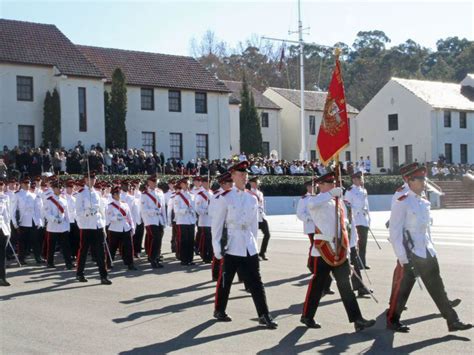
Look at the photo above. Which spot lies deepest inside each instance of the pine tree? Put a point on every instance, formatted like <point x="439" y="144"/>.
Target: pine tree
<point x="52" y="120"/>
<point x="250" y="131"/>
<point x="117" y="131"/>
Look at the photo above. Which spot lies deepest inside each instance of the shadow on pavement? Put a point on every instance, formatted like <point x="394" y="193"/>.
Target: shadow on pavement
<point x="188" y="339"/>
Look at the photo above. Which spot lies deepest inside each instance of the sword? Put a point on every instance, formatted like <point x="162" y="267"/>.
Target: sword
<point x="363" y="285"/>
<point x="363" y="267"/>
<point x="107" y="247"/>
<point x="373" y="236"/>
<point x="9" y="243"/>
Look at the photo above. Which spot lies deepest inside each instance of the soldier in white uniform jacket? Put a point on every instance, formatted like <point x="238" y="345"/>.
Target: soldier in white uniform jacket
<point x="4" y="232"/>
<point x="237" y="210"/>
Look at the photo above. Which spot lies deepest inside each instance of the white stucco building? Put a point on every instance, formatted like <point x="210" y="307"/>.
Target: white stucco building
<point x="269" y="114"/>
<point x="410" y="120"/>
<point x="27" y="72"/>
<point x="175" y="105"/>
<point x="289" y="101"/>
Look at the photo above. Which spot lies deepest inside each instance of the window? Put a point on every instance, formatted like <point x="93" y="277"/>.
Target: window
<point x="82" y="110"/>
<point x="266" y="149"/>
<point x="462" y="120"/>
<point x="313" y="155"/>
<point x="447" y="118"/>
<point x="148" y="142"/>
<point x="201" y="102"/>
<point x="176" y="145"/>
<point x="174" y="101"/>
<point x="448" y="153"/>
<point x="394" y="162"/>
<point x="393" y="122"/>
<point x="380" y="157"/>
<point x="148" y="99"/>
<point x="26" y="136"/>
<point x="24" y="88"/>
<point x="264" y="119"/>
<point x="312" y="125"/>
<point x="463" y="153"/>
<point x="348" y="156"/>
<point x="408" y="154"/>
<point x="202" y="146"/>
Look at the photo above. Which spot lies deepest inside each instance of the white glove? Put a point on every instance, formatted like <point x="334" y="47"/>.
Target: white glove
<point x="336" y="192"/>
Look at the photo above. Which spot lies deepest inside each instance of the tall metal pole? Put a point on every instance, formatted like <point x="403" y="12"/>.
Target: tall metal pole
<point x="303" y="155"/>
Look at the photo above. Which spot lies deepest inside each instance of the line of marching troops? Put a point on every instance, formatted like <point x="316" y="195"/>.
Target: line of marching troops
<point x="35" y="217"/>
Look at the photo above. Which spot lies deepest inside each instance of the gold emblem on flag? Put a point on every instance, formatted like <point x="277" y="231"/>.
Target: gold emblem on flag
<point x="332" y="121"/>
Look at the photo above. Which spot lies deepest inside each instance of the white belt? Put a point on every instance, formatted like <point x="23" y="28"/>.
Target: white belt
<point x="327" y="238"/>
<point x="242" y="227"/>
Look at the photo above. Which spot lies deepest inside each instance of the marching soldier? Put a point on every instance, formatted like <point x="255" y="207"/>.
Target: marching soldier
<point x="203" y="199"/>
<point x="184" y="209"/>
<point x="197" y="187"/>
<point x="169" y="195"/>
<point x="4" y="232"/>
<point x="12" y="188"/>
<point x="154" y="217"/>
<point x="302" y="213"/>
<point x="413" y="246"/>
<point x="57" y="227"/>
<point x="225" y="183"/>
<point x="90" y="216"/>
<point x="26" y="220"/>
<point x="121" y="228"/>
<point x="357" y="199"/>
<point x="73" y="228"/>
<point x="238" y="210"/>
<point x="327" y="258"/>
<point x="262" y="222"/>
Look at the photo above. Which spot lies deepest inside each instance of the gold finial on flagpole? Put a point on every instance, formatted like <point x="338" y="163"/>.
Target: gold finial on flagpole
<point x="337" y="52"/>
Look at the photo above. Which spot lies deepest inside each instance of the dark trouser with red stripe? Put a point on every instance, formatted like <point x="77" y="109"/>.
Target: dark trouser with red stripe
<point x="215" y="268"/>
<point x="174" y="233"/>
<point x="319" y="281"/>
<point x="123" y="239"/>
<point x="185" y="238"/>
<point x="154" y="235"/>
<point x="74" y="238"/>
<point x="3" y="246"/>
<point x="28" y="238"/>
<point x="362" y="234"/>
<point x="263" y="226"/>
<point x="249" y="267"/>
<point x="138" y="238"/>
<point x="93" y="239"/>
<point x="356" y="284"/>
<point x="205" y="244"/>
<point x="63" y="238"/>
<point x="310" y="264"/>
<point x="428" y="269"/>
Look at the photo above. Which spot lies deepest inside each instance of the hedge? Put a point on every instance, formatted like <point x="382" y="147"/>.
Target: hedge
<point x="273" y="185"/>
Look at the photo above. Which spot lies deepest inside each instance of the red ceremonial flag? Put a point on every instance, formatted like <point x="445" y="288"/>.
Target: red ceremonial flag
<point x="333" y="133"/>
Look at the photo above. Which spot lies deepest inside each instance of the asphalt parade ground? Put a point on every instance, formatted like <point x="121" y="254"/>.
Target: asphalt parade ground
<point x="170" y="310"/>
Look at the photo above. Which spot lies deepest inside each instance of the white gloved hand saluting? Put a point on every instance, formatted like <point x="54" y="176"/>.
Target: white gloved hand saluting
<point x="336" y="192"/>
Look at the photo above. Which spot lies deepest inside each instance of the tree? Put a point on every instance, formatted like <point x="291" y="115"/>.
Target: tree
<point x="118" y="110"/>
<point x="52" y="120"/>
<point x="250" y="131"/>
<point x="108" y="120"/>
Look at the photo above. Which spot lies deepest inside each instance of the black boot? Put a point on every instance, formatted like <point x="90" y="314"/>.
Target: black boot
<point x="361" y="324"/>
<point x="4" y="282"/>
<point x="105" y="281"/>
<point x="458" y="325"/>
<point x="310" y="323"/>
<point x="398" y="327"/>
<point x="267" y="321"/>
<point x="222" y="316"/>
<point x="81" y="278"/>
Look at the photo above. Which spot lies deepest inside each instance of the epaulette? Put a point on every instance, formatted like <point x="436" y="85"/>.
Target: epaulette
<point x="80" y="190"/>
<point x="402" y="197"/>
<point x="17" y="191"/>
<point x="400" y="188"/>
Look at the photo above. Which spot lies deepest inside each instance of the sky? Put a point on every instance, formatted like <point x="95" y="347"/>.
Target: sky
<point x="169" y="26"/>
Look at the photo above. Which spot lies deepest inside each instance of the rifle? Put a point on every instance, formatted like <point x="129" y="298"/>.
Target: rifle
<point x="409" y="245"/>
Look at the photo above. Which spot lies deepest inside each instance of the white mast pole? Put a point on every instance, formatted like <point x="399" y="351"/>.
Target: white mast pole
<point x="303" y="153"/>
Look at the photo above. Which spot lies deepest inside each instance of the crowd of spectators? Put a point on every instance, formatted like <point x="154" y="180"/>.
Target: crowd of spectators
<point x="37" y="161"/>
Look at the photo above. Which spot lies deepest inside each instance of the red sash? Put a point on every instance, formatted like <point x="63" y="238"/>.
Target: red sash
<point x="119" y="208"/>
<point x="325" y="249"/>
<point x="184" y="198"/>
<point x="56" y="203"/>
<point x="153" y="199"/>
<point x="204" y="196"/>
